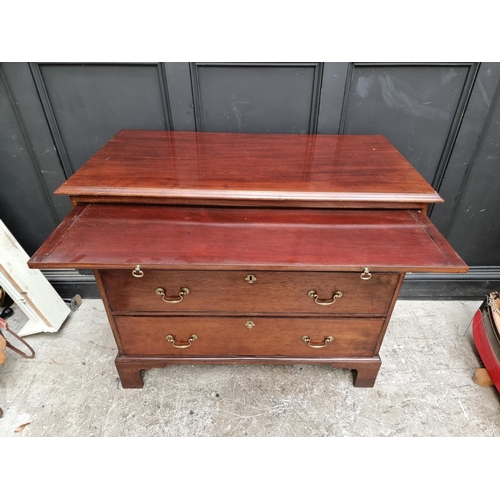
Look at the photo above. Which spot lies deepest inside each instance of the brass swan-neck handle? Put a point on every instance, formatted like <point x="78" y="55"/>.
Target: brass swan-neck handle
<point x="172" y="300"/>
<point x="324" y="302"/>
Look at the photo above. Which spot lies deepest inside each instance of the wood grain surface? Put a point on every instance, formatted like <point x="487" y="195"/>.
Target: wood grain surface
<point x="226" y="292"/>
<point x="102" y="236"/>
<point x="222" y="168"/>
<point x="230" y="336"/>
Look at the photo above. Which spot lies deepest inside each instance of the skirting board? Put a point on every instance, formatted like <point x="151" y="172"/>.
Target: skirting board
<point x="474" y="285"/>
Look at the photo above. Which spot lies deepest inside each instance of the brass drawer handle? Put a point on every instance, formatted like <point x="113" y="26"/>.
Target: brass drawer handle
<point x="366" y="274"/>
<point x="171" y="339"/>
<point x="172" y="300"/>
<point x="307" y="340"/>
<point x="138" y="272"/>
<point x="320" y="302"/>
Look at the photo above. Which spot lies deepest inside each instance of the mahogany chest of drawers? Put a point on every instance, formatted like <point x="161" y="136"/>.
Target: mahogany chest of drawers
<point x="240" y="248"/>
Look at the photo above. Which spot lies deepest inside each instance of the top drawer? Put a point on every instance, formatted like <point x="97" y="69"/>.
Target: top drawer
<point x="229" y="292"/>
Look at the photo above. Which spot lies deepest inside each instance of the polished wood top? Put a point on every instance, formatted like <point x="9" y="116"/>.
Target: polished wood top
<point x="163" y="237"/>
<point x="248" y="169"/>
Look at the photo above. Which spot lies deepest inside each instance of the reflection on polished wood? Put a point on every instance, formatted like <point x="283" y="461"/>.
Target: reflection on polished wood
<point x="121" y="236"/>
<point x="220" y="168"/>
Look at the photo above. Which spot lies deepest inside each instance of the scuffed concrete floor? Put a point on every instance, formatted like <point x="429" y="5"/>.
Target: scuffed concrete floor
<point x="424" y="387"/>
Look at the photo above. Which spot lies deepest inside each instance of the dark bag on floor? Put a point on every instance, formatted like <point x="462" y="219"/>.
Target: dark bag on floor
<point x="5" y="300"/>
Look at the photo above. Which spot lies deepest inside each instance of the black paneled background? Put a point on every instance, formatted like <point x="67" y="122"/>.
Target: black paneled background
<point x="444" y="118"/>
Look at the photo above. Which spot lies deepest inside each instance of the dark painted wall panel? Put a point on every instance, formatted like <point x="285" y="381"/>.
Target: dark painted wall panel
<point x="414" y="106"/>
<point x="44" y="154"/>
<point x="256" y="99"/>
<point x="475" y="228"/>
<point x="181" y="97"/>
<point x="24" y="207"/>
<point x="91" y="103"/>
<point x="471" y="130"/>
<point x="332" y="97"/>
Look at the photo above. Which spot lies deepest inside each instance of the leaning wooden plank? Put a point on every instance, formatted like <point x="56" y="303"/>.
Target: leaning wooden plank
<point x="29" y="288"/>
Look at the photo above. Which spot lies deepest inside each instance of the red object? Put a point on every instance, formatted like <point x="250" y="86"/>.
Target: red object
<point x="487" y="342"/>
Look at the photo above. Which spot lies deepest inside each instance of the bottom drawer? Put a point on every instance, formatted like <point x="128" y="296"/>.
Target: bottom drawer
<point x="242" y="336"/>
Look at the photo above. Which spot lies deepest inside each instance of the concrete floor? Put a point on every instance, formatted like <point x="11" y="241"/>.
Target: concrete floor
<point x="424" y="387"/>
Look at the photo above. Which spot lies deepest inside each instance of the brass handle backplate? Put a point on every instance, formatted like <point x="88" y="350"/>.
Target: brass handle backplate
<point x="138" y="272"/>
<point x="171" y="339"/>
<point x="321" y="302"/>
<point x="366" y="274"/>
<point x="307" y="340"/>
<point x="172" y="300"/>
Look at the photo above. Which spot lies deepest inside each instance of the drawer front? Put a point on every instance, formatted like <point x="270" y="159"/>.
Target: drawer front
<point x="246" y="336"/>
<point x="228" y="292"/>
